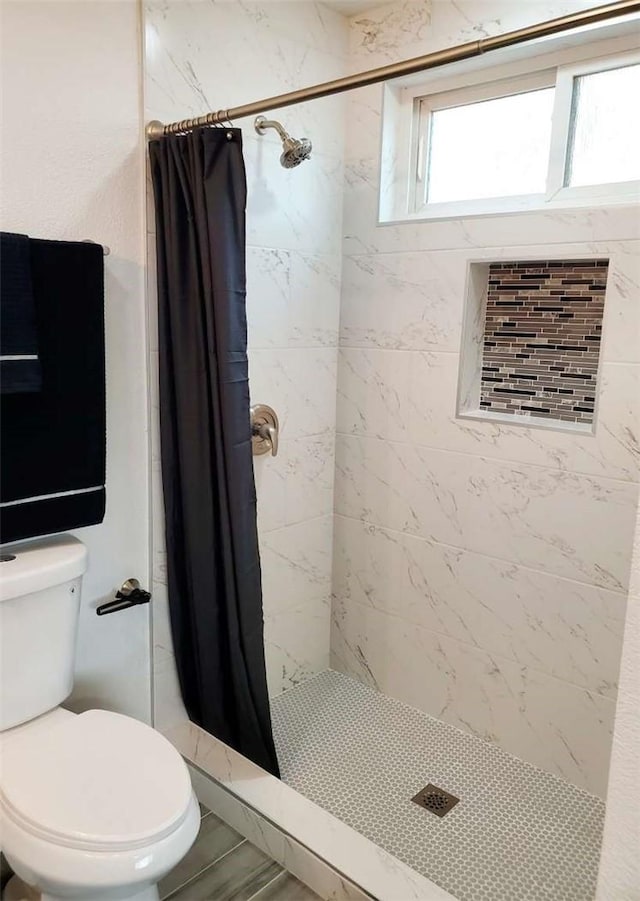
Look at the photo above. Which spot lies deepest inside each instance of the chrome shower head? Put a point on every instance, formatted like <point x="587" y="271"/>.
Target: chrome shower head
<point x="294" y="150"/>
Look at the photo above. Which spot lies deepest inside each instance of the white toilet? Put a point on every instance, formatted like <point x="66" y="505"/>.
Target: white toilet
<point x="94" y="805"/>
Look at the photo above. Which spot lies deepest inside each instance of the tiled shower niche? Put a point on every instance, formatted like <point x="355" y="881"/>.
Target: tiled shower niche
<point x="532" y="341"/>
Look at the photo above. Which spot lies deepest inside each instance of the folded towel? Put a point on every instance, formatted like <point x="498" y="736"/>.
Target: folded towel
<point x="19" y="363"/>
<point x="52" y="443"/>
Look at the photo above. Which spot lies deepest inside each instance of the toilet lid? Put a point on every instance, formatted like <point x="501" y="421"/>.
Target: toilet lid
<point x="100" y="781"/>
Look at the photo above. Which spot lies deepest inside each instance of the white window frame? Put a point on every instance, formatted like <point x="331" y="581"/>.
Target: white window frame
<point x="561" y="133"/>
<point x="425" y="106"/>
<point x="408" y="104"/>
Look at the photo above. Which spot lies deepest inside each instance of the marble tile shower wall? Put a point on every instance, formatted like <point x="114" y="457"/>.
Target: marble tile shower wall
<point x="202" y="56"/>
<point x="480" y="569"/>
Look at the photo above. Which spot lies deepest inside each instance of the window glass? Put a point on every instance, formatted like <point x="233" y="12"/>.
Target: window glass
<point x="605" y="136"/>
<point x="494" y="148"/>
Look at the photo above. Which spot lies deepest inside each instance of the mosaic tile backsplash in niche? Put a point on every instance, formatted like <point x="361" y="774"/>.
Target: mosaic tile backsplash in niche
<point x="542" y="338"/>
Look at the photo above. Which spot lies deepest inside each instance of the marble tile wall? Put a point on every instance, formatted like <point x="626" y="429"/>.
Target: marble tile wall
<point x="203" y="56"/>
<point x="480" y="569"/>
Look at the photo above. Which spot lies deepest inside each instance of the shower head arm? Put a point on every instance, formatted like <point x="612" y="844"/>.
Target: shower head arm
<point x="261" y="125"/>
<point x="294" y="150"/>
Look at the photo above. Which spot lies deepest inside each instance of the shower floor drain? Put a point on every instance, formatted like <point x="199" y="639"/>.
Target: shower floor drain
<point x="435" y="799"/>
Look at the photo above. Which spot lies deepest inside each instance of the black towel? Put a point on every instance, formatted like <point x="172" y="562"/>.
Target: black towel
<point x="19" y="364"/>
<point x="53" y="443"/>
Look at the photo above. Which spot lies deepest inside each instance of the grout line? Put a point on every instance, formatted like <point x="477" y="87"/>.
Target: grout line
<point x="398" y="350"/>
<point x="375" y="348"/>
<point x="319" y="255"/>
<point x="485" y="652"/>
<point x="265" y="816"/>
<point x="471" y="250"/>
<point x="624" y="592"/>
<point x="499" y="460"/>
<point x="199" y="872"/>
<point x="280" y="348"/>
<point x="260" y="891"/>
<point x="338" y="345"/>
<point x="326" y="433"/>
<point x="454" y="547"/>
<point x="311" y="604"/>
<point x="527" y="766"/>
<point x="463" y="731"/>
<point x="300" y="684"/>
<point x="328" y="515"/>
<point x="296" y="522"/>
<point x="289" y="431"/>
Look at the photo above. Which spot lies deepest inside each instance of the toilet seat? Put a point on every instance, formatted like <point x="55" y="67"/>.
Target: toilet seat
<point x="98" y="781"/>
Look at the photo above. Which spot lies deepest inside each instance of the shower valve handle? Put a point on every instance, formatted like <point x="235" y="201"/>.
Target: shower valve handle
<point x="264" y="430"/>
<point x="269" y="433"/>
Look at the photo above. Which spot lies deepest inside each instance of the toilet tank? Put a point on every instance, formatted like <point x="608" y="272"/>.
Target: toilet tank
<point x="39" y="607"/>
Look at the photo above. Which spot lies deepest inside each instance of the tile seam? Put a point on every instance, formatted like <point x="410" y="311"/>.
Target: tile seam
<point x="623" y="593"/>
<point x="488" y="653"/>
<point x="455" y="547"/>
<point x="206" y="867"/>
<point x="487" y="456"/>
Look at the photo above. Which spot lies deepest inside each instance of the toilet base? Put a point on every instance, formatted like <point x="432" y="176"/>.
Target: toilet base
<point x="17" y="890"/>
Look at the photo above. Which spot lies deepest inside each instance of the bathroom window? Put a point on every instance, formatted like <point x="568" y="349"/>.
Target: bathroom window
<point x="553" y="137"/>
<point x="511" y="158"/>
<point x="604" y="134"/>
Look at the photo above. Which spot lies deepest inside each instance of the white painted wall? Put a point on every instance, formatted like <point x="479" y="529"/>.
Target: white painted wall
<point x="480" y="570"/>
<point x="72" y="168"/>
<point x="293" y="291"/>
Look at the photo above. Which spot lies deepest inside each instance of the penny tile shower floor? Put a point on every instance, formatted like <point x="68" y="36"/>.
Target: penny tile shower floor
<point x="517" y="833"/>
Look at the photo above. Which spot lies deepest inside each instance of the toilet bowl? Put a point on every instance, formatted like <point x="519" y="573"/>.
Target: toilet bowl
<point x="93" y="806"/>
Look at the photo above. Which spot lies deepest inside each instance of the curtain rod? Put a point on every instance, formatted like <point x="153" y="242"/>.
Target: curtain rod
<point x="433" y="60"/>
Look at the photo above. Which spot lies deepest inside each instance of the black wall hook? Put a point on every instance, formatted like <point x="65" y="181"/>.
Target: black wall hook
<point x="129" y="595"/>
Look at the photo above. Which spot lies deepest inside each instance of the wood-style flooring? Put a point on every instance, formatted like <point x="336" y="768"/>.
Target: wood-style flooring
<point x="224" y="866"/>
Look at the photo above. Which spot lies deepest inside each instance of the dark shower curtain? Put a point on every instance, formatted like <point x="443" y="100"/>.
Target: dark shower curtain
<point x="213" y="566"/>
